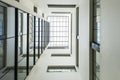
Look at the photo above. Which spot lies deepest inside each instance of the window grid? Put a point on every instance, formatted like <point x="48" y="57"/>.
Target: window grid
<point x="59" y="31"/>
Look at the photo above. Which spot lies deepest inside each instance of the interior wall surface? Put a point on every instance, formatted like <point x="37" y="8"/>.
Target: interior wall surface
<point x="72" y="34"/>
<point x="110" y="47"/>
<point x="84" y="38"/>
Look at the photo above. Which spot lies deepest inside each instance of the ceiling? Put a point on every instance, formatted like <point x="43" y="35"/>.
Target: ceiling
<point x="43" y="4"/>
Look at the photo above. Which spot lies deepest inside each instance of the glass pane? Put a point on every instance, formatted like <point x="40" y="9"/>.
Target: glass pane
<point x="21" y="50"/>
<point x="97" y="21"/>
<point x="36" y="41"/>
<point x="2" y="42"/>
<point x="1" y="33"/>
<point x="97" y="65"/>
<point x="1" y="54"/>
<point x="31" y="40"/>
<point x="9" y="61"/>
<point x="1" y="20"/>
<point x="96" y="29"/>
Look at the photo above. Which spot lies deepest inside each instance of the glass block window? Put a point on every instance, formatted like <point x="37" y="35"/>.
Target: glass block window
<point x="59" y="31"/>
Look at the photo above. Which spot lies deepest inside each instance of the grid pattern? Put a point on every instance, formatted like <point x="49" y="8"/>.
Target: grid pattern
<point x="41" y="33"/>
<point x="31" y="25"/>
<point x="59" y="31"/>
<point x="27" y="41"/>
<point x="36" y="32"/>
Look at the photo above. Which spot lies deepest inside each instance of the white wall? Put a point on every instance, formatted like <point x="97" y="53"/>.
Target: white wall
<point x="110" y="40"/>
<point x="84" y="30"/>
<point x="61" y="1"/>
<point x="84" y="39"/>
<point x="73" y="28"/>
<point x="110" y="47"/>
<point x="43" y="3"/>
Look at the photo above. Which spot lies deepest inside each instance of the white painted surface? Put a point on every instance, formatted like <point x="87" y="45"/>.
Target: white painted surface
<point x="43" y="4"/>
<point x="61" y="1"/>
<point x="72" y="27"/>
<point x="39" y="71"/>
<point x="109" y="46"/>
<point x="84" y="39"/>
<point x="110" y="39"/>
<point x="83" y="73"/>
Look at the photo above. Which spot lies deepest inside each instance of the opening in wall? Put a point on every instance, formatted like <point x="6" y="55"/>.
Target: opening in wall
<point x="61" y="69"/>
<point x="17" y="0"/>
<point x="60" y="31"/>
<point x="35" y="9"/>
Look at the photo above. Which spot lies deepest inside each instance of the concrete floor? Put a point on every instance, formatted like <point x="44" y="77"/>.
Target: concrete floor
<point x="39" y="72"/>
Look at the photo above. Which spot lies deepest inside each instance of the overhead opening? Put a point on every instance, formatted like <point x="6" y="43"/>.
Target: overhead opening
<point x="61" y="12"/>
<point x="61" y="55"/>
<point x="61" y="5"/>
<point x="61" y="69"/>
<point x="56" y="47"/>
<point x="60" y="31"/>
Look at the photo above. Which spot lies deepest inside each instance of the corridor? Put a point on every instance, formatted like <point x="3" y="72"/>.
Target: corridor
<point x="59" y="40"/>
